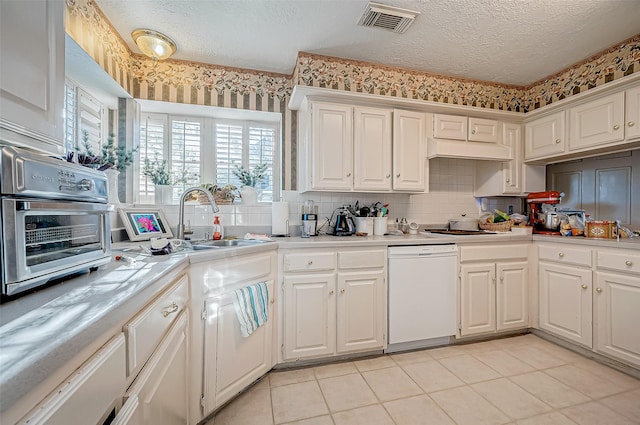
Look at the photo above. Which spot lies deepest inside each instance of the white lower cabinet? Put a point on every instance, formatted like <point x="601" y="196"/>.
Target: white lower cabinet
<point x="334" y="307"/>
<point x="493" y="295"/>
<point x="161" y="388"/>
<point x="89" y="394"/>
<point x="565" y="302"/>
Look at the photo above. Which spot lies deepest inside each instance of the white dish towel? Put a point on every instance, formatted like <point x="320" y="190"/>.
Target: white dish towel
<point x="251" y="304"/>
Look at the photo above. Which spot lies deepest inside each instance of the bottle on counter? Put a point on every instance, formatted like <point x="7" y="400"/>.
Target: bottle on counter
<point x="217" y="229"/>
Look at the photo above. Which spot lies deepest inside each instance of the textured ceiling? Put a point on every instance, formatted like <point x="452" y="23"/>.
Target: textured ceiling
<point x="507" y="41"/>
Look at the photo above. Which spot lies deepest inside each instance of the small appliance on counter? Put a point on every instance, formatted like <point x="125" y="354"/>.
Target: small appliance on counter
<point x="545" y="220"/>
<point x="344" y="224"/>
<point x="309" y="220"/>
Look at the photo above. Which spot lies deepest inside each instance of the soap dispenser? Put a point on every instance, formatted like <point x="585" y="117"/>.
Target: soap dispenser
<point x="217" y="229"/>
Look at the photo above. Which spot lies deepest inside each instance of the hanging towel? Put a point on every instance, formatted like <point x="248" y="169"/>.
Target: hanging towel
<point x="251" y="304"/>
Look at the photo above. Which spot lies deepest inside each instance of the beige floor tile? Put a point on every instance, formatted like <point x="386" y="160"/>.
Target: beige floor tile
<point x="337" y="369"/>
<point x="551" y="418"/>
<point x="549" y="390"/>
<point x="432" y="376"/>
<point x="469" y="369"/>
<point x="252" y="407"/>
<point x="391" y="383"/>
<point x="480" y="347"/>
<point x="263" y="383"/>
<point x="412" y="357"/>
<point x="561" y="353"/>
<point x="518" y="341"/>
<point x="347" y="392"/>
<point x="585" y="381"/>
<point x="535" y="356"/>
<point x="503" y="363"/>
<point x="594" y="413"/>
<point x="375" y="363"/>
<point x="466" y="407"/>
<point x="627" y="404"/>
<point x="286" y="377"/>
<point x="443" y="352"/>
<point x="297" y="401"/>
<point x="510" y="398"/>
<point x="608" y="373"/>
<point x="318" y="420"/>
<point x="369" y="415"/>
<point x="419" y="410"/>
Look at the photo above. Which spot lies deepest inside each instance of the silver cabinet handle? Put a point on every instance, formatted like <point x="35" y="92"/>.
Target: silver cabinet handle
<point x="628" y="263"/>
<point x="331" y="292"/>
<point x="631" y="123"/>
<point x="171" y="309"/>
<point x="501" y="279"/>
<point x="473" y="132"/>
<point x="348" y="174"/>
<point x="561" y="254"/>
<point x="584" y="286"/>
<point x="342" y="291"/>
<point x="616" y="127"/>
<point x="388" y="175"/>
<point x="508" y="180"/>
<point x="598" y="290"/>
<point x="557" y="141"/>
<point x="310" y="262"/>
<point x="398" y="175"/>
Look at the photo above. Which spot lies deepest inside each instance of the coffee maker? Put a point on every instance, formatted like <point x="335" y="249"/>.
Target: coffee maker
<point x="544" y="222"/>
<point x="344" y="224"/>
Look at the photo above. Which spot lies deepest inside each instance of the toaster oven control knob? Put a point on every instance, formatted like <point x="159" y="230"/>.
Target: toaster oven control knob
<point x="85" y="184"/>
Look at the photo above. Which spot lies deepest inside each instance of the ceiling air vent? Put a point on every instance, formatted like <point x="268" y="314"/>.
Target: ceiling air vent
<point x="387" y="17"/>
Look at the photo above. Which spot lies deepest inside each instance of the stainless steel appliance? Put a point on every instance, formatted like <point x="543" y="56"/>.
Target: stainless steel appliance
<point x="54" y="219"/>
<point x="422" y="296"/>
<point x="344" y="224"/>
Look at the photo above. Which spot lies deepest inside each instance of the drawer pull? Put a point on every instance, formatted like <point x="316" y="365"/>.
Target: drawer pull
<point x="398" y="175"/>
<point x="342" y="291"/>
<point x="584" y="286"/>
<point x="172" y="309"/>
<point x="557" y="141"/>
<point x="631" y="123"/>
<point x="348" y="174"/>
<point x="561" y="254"/>
<point x="331" y="292"/>
<point x="616" y="127"/>
<point x="628" y="263"/>
<point x="473" y="132"/>
<point x="310" y="262"/>
<point x="598" y="290"/>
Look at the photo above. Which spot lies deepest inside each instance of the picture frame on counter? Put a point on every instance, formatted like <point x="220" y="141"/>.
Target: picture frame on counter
<point x="143" y="224"/>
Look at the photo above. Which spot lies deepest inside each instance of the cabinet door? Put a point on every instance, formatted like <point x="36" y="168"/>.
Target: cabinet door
<point x="409" y="153"/>
<point x="449" y="127"/>
<point x="566" y="302"/>
<point x="632" y="112"/>
<point x="483" y="130"/>
<point x="32" y="73"/>
<point x="240" y="360"/>
<point x="617" y="309"/>
<point x="512" y="170"/>
<point x="597" y="123"/>
<point x="332" y="139"/>
<point x="309" y="315"/>
<point x="477" y="299"/>
<point x="162" y="385"/>
<point x="361" y="311"/>
<point x="511" y="296"/>
<point x="89" y="393"/>
<point x="372" y="149"/>
<point x="545" y="136"/>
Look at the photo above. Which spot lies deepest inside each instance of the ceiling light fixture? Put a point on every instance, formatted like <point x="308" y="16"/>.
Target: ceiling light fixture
<point x="154" y="44"/>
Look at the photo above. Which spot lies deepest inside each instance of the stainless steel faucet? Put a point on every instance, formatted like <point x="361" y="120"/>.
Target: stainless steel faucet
<point x="214" y="207"/>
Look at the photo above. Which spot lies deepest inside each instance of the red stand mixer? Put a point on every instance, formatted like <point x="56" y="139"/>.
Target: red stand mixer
<point x="547" y="223"/>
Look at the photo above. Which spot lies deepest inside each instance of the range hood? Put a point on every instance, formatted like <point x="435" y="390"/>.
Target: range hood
<point x="460" y="149"/>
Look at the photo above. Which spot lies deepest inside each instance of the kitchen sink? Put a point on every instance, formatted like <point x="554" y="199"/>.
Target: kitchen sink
<point x="224" y="243"/>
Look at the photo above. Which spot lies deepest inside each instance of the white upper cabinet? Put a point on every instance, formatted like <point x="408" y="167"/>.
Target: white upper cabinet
<point x="32" y="74"/>
<point x="372" y="149"/>
<point x="596" y="123"/>
<point x="332" y="136"/>
<point x="483" y="130"/>
<point x="545" y="136"/>
<point x="409" y="152"/>
<point x="462" y="128"/>
<point x="632" y="113"/>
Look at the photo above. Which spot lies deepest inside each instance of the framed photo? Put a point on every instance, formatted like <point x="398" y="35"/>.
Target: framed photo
<point x="142" y="224"/>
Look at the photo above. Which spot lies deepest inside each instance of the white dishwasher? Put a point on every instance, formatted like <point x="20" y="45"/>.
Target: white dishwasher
<point x="422" y="296"/>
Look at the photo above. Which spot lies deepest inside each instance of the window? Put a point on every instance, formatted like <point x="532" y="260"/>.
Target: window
<point x="84" y="116"/>
<point x="207" y="150"/>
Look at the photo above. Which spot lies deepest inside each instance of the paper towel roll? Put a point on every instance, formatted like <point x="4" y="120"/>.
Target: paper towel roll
<point x="280" y="218"/>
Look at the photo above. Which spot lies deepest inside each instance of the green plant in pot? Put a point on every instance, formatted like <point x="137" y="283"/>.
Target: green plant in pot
<point x="111" y="157"/>
<point x="250" y="179"/>
<point x="221" y="194"/>
<point x="158" y="171"/>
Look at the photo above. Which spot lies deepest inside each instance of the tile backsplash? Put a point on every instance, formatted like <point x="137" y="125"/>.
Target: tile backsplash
<point x="450" y="195"/>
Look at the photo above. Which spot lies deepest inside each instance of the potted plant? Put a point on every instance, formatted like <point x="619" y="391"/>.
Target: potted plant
<point x="163" y="179"/>
<point x="250" y="179"/>
<point x="223" y="195"/>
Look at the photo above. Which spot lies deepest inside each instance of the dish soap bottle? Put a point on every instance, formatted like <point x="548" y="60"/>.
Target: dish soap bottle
<point x="217" y="229"/>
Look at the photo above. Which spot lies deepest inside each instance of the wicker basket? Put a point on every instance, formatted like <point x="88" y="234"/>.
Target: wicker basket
<point x="504" y="226"/>
<point x="204" y="199"/>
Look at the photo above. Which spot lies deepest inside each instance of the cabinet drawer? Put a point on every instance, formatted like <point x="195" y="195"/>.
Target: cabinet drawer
<point x="620" y="261"/>
<point x="483" y="252"/>
<point x="361" y="259"/>
<point x="309" y="261"/>
<point x="565" y="254"/>
<point x="144" y="331"/>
